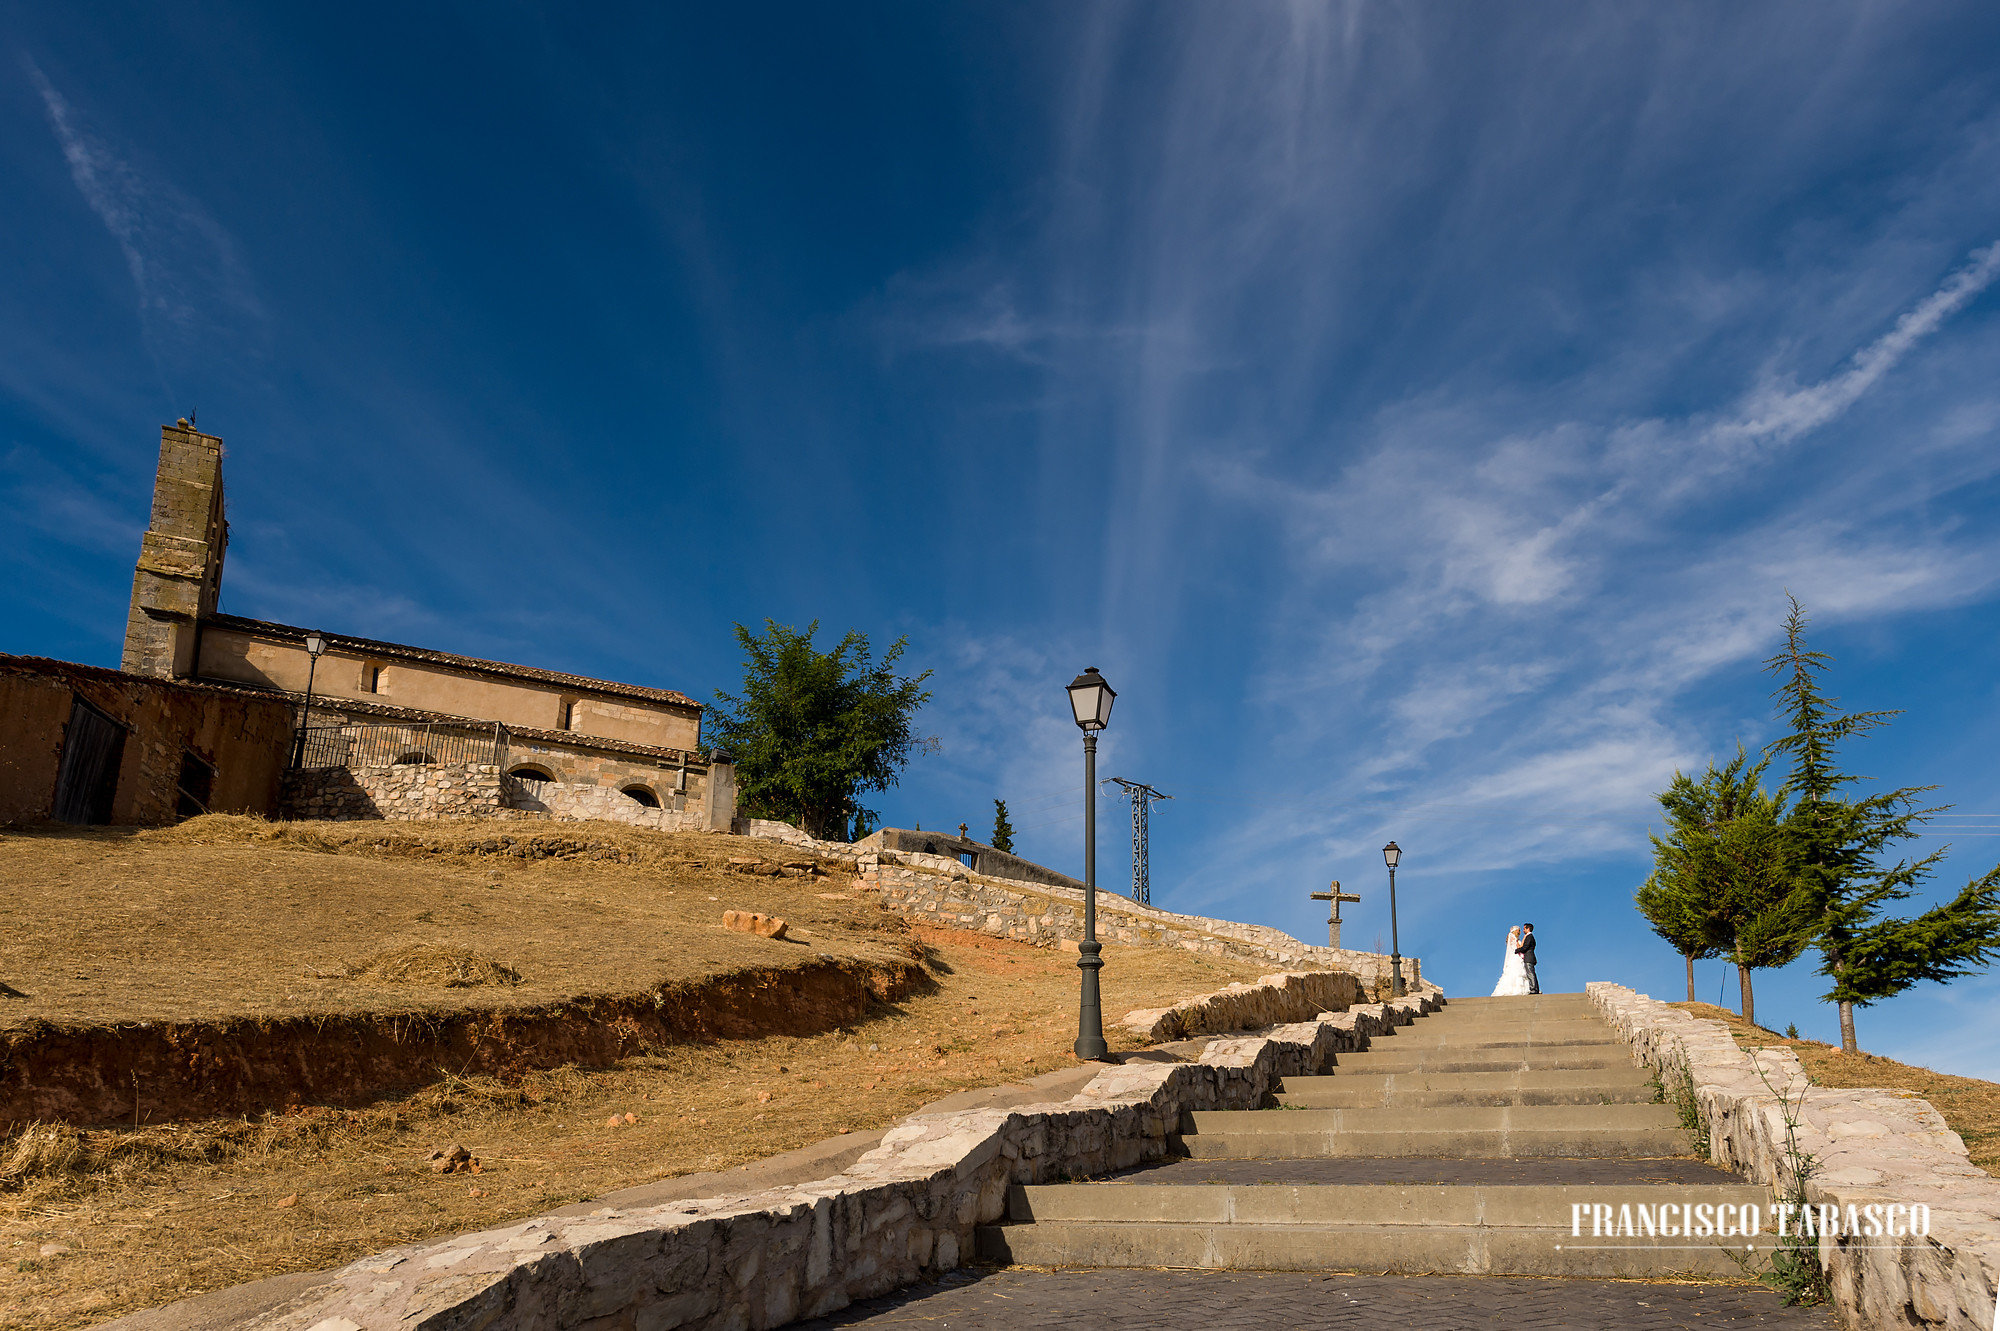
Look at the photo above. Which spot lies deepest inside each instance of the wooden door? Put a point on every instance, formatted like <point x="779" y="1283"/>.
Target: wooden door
<point x="87" y="777"/>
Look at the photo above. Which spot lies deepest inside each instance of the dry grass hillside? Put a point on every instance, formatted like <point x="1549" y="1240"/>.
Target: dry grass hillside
<point x="237" y="916"/>
<point x="220" y="917"/>
<point x="1969" y="1105"/>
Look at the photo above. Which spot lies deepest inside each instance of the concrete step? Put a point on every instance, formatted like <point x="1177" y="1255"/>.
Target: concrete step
<point x="1416" y="1171"/>
<point x="1468" y="1020"/>
<point x="1424" y="1090"/>
<point x="1475" y="1230"/>
<point x="1385" y="1082"/>
<point x="1449" y="1118"/>
<point x="1458" y="1132"/>
<point x="1557" y="1018"/>
<point x="1552" y="1058"/>
<point x="1467" y="1250"/>
<point x="1469" y="1230"/>
<point x="1568" y="1005"/>
<point x="1418" y="1038"/>
<point x="1539" y="1207"/>
<point x="1537" y="1032"/>
<point x="1508" y="1143"/>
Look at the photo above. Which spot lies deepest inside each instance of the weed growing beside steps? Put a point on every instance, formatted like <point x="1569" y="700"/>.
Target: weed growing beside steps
<point x="1674" y="1085"/>
<point x="1793" y="1268"/>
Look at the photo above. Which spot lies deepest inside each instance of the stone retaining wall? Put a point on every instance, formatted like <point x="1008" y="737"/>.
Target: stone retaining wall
<point x="1271" y="1001"/>
<point x="1871" y="1146"/>
<point x="414" y="792"/>
<point x="903" y="1212"/>
<point x="565" y="800"/>
<point x="941" y="891"/>
<point x="401" y="792"/>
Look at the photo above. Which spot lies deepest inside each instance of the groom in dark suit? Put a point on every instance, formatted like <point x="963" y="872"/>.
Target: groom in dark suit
<point x="1527" y="953"/>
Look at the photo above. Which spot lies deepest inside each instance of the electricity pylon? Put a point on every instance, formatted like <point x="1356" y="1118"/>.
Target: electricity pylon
<point x="1142" y="803"/>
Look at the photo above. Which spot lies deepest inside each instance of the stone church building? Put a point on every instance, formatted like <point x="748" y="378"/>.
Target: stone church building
<point x="392" y="730"/>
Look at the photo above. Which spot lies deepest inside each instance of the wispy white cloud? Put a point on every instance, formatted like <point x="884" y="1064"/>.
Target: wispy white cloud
<point x="190" y="280"/>
<point x="1778" y="412"/>
<point x="1494" y="476"/>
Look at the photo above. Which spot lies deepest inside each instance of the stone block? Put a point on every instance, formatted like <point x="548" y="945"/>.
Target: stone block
<point x="754" y="922"/>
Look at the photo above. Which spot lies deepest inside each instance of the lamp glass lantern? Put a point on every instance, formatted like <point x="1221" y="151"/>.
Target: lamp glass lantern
<point x="315" y="643"/>
<point x="1391" y="853"/>
<point x="1090" y="700"/>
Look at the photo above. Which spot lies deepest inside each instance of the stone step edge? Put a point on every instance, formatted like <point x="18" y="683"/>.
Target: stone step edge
<point x="1411" y="1250"/>
<point x="1497" y="1206"/>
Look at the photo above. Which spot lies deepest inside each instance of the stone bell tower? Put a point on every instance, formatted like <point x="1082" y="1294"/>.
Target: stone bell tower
<point x="179" y="574"/>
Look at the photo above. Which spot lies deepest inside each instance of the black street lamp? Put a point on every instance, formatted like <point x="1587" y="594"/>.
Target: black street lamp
<point x="1090" y="700"/>
<point x="1390" y="854"/>
<point x="315" y="647"/>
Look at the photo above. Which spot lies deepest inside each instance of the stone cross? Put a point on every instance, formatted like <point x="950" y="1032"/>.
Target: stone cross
<point x="1336" y="896"/>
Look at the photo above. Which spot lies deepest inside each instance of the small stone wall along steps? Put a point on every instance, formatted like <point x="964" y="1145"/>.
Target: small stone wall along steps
<point x="1458" y="1144"/>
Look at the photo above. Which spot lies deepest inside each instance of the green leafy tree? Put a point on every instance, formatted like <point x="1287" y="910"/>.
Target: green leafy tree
<point x="813" y="731"/>
<point x="1768" y="921"/>
<point x="1003" y="831"/>
<point x="1837" y="845"/>
<point x="1720" y="885"/>
<point x="1679" y="914"/>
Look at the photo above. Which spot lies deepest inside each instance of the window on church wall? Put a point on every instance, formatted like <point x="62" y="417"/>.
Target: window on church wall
<point x="371" y="678"/>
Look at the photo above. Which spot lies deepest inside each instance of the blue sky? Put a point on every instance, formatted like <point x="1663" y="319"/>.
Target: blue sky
<point x="1418" y="412"/>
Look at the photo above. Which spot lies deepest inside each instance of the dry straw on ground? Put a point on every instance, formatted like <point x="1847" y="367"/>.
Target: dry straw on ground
<point x="434" y="966"/>
<point x="133" y="1219"/>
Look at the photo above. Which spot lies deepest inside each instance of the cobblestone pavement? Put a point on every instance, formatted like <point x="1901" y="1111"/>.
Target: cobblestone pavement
<point x="978" y="1299"/>
<point x="1414" y="1170"/>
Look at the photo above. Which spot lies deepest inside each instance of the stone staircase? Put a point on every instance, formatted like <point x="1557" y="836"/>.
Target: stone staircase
<point x="1460" y="1144"/>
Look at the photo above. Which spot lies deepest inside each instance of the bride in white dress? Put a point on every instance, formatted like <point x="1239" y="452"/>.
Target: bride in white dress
<point x="1514" y="973"/>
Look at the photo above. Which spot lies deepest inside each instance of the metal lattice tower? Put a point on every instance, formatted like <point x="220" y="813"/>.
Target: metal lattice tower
<point x="1142" y="804"/>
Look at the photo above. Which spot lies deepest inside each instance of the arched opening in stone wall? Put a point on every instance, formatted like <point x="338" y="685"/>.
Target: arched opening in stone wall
<point x="641" y="796"/>
<point x="528" y="772"/>
<point x="414" y="758"/>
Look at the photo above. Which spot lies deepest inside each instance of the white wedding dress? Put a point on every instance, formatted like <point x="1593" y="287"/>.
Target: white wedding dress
<point x="1514" y="973"/>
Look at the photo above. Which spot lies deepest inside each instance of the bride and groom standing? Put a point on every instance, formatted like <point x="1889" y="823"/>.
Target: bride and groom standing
<point x="1517" y="974"/>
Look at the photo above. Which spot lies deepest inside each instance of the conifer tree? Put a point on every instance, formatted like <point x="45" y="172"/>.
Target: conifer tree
<point x="1003" y="831"/>
<point x="1720" y="885"/>
<point x="1835" y="849"/>
<point x="1676" y="910"/>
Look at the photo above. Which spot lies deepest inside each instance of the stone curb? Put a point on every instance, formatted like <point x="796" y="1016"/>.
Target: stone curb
<point x="903" y="1212"/>
<point x="1268" y="1001"/>
<point x="1872" y="1147"/>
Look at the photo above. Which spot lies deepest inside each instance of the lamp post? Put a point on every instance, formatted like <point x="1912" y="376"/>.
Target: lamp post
<point x="1390" y="854"/>
<point x="315" y="648"/>
<point x="1090" y="702"/>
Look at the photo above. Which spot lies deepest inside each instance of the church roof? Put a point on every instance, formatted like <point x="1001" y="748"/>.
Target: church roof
<point x="453" y="661"/>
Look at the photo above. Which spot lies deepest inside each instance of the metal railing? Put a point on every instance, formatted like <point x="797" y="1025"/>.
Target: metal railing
<point x="384" y="744"/>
